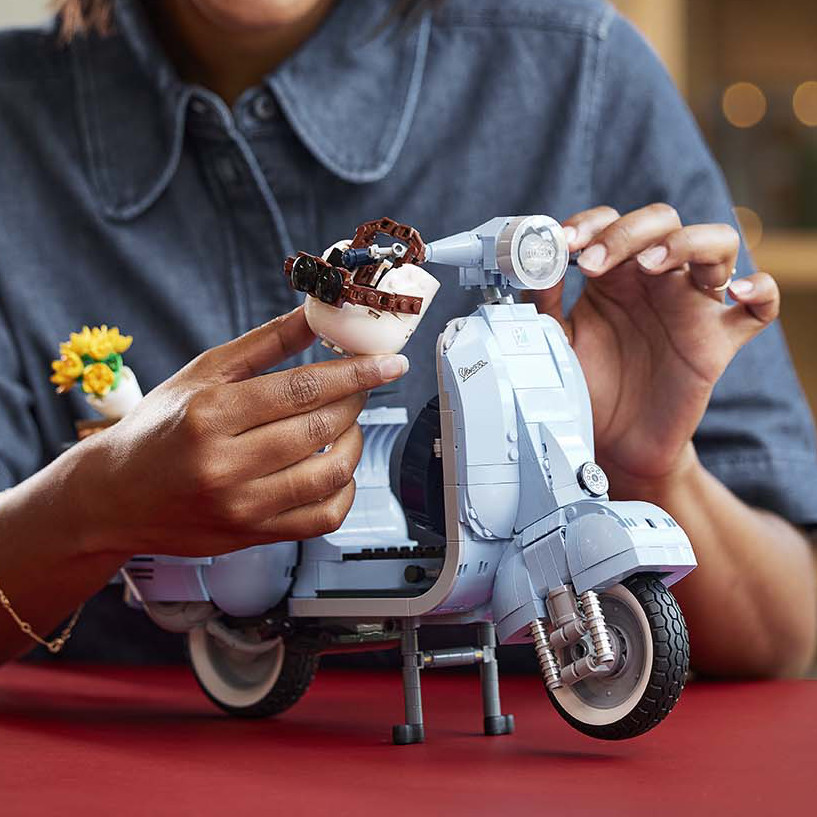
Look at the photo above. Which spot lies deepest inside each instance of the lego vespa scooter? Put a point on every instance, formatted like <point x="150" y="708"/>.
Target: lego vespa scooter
<point x="512" y="529"/>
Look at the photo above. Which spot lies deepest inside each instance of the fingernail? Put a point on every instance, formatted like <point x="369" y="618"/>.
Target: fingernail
<point x="393" y="366"/>
<point x="742" y="287"/>
<point x="571" y="234"/>
<point x="653" y="257"/>
<point x="593" y="257"/>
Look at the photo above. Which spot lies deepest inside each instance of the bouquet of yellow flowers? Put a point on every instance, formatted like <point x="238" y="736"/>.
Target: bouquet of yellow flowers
<point x="93" y="358"/>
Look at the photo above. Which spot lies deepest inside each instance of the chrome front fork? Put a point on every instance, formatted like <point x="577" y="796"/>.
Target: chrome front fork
<point x="572" y="618"/>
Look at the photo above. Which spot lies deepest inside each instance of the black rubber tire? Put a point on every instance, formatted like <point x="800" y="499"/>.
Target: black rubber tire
<point x="297" y="673"/>
<point x="669" y="670"/>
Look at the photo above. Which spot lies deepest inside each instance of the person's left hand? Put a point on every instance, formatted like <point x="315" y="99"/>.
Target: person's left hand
<point x="653" y="333"/>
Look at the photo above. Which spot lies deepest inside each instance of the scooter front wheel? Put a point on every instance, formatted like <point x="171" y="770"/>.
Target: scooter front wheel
<point x="250" y="686"/>
<point x="651" y="646"/>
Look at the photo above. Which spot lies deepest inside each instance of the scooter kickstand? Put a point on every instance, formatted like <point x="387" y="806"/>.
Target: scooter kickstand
<point x="494" y="722"/>
<point x="412" y="731"/>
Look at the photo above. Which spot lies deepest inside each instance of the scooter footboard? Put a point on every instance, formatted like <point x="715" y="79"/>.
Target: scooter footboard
<point x="623" y="538"/>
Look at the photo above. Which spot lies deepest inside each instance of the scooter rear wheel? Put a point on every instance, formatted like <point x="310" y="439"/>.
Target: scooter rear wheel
<point x="250" y="686"/>
<point x="651" y="644"/>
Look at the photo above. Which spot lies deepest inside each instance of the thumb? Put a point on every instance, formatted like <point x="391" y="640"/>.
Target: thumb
<point x="758" y="304"/>
<point x="258" y="350"/>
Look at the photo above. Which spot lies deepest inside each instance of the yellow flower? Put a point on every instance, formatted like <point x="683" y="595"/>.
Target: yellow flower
<point x="66" y="371"/>
<point x="80" y="342"/>
<point x="98" y="343"/>
<point x="97" y="378"/>
<point x="100" y="346"/>
<point x="62" y="382"/>
<point x="120" y="343"/>
<point x="70" y="364"/>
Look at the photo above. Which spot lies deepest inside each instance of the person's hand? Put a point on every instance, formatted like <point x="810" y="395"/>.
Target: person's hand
<point x="221" y="457"/>
<point x="652" y="333"/>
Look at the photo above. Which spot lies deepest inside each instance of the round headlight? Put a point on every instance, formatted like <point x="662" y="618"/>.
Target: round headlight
<point x="532" y="252"/>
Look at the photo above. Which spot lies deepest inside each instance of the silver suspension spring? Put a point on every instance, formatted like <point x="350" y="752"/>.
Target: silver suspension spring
<point x="597" y="627"/>
<point x="548" y="662"/>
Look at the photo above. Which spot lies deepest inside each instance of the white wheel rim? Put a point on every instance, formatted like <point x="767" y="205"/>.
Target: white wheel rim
<point x="233" y="678"/>
<point x="576" y="706"/>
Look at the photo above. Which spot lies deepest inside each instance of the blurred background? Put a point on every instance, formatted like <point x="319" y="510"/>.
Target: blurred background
<point x="748" y="69"/>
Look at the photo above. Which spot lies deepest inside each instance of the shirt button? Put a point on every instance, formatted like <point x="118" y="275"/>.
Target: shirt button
<point x="228" y="170"/>
<point x="199" y="107"/>
<point x="264" y="108"/>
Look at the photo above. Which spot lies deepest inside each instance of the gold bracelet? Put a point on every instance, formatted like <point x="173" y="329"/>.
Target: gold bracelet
<point x="56" y="644"/>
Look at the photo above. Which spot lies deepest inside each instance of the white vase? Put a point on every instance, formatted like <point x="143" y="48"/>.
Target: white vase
<point x="119" y="401"/>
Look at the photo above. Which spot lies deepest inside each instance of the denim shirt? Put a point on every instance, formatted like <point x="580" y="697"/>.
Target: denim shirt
<point x="130" y="198"/>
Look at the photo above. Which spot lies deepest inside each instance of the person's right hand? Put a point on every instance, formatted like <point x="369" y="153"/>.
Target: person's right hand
<point x="221" y="457"/>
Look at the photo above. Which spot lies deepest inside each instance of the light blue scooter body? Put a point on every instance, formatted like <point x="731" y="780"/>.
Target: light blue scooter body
<point x="521" y="421"/>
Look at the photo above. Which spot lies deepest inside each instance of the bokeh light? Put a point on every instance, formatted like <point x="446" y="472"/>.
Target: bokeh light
<point x="751" y="225"/>
<point x="804" y="103"/>
<point x="744" y="104"/>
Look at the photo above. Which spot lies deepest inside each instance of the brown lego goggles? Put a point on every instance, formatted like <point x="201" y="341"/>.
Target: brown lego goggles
<point x="346" y="276"/>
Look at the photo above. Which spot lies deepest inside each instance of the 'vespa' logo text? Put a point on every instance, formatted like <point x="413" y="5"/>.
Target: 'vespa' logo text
<point x="469" y="371"/>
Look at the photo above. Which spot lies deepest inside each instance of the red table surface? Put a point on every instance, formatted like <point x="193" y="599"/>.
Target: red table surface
<point x="144" y="741"/>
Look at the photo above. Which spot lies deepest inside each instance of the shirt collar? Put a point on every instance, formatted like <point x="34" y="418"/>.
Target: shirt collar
<point x="351" y="91"/>
<point x="350" y="94"/>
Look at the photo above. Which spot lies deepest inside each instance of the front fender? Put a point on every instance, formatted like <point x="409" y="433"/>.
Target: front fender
<point x="607" y="541"/>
